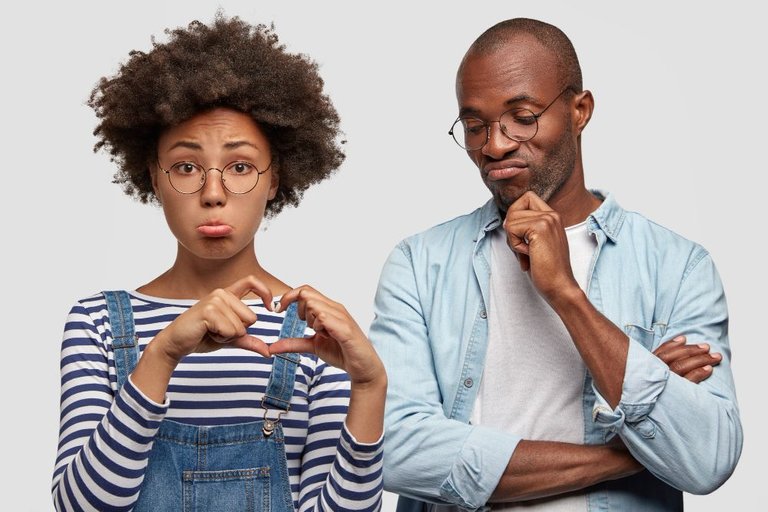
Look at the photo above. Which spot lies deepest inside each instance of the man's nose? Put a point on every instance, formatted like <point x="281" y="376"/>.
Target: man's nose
<point x="498" y="144"/>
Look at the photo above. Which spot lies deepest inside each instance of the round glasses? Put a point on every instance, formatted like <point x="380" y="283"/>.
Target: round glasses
<point x="518" y="124"/>
<point x="238" y="177"/>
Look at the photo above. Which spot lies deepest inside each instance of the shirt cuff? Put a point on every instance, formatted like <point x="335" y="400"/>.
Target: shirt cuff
<point x="645" y="378"/>
<point x="360" y="451"/>
<point x="138" y="401"/>
<point x="480" y="465"/>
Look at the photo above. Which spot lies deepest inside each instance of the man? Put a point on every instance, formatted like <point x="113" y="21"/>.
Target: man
<point x="520" y="339"/>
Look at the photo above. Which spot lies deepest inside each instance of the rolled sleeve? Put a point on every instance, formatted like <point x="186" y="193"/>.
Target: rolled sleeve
<point x="478" y="468"/>
<point x="645" y="378"/>
<point x="688" y="435"/>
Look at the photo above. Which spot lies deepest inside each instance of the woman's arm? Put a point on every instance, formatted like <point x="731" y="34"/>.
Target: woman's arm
<point x="104" y="438"/>
<point x="342" y="462"/>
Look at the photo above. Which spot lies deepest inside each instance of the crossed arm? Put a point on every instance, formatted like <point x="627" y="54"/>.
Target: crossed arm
<point x="613" y="359"/>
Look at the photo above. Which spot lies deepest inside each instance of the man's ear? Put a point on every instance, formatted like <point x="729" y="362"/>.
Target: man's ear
<point x="583" y="108"/>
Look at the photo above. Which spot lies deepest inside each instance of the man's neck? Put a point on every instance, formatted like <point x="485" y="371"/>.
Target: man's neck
<point x="574" y="206"/>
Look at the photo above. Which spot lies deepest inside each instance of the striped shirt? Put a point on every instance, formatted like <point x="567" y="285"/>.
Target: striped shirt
<point x="105" y="436"/>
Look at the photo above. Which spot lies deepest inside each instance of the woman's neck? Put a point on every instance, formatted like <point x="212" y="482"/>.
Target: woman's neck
<point x="192" y="277"/>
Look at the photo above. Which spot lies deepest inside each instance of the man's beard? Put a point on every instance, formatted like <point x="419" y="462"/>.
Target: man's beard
<point x="550" y="176"/>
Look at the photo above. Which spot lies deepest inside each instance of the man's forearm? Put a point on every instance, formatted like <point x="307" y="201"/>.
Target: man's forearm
<point x="539" y="469"/>
<point x="601" y="344"/>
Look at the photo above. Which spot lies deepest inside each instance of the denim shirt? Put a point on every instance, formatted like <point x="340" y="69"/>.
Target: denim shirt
<point x="431" y="331"/>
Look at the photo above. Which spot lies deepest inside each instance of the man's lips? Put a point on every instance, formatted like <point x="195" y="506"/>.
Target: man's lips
<point x="214" y="229"/>
<point x="497" y="171"/>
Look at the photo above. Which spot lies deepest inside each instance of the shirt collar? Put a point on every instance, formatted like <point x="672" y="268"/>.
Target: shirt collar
<point x="608" y="218"/>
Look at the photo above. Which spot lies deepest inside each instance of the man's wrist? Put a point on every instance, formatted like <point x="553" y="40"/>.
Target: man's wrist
<point x="568" y="299"/>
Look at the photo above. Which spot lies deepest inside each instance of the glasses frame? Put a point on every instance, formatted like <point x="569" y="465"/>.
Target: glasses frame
<point x="206" y="171"/>
<point x="487" y="124"/>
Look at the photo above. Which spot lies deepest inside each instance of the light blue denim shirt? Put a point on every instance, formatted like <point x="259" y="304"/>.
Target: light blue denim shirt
<point x="431" y="330"/>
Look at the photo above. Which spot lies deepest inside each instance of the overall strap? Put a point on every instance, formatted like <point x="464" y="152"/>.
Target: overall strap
<point x="125" y="341"/>
<point x="283" y="376"/>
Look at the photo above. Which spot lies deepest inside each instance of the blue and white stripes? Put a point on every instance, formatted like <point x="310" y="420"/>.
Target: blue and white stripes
<point x="105" y="437"/>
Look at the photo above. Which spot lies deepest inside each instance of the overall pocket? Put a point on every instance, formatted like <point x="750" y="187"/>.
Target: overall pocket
<point x="234" y="489"/>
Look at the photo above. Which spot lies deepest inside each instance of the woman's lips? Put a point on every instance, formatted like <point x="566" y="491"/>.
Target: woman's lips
<point x="214" y="230"/>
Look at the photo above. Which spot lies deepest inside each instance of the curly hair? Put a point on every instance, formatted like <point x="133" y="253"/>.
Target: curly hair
<point x="227" y="64"/>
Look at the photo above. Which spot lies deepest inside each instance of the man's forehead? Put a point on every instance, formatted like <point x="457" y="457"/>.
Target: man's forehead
<point x="518" y="68"/>
<point x="515" y="53"/>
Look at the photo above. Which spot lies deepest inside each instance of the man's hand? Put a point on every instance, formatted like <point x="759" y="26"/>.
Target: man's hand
<point x="694" y="362"/>
<point x="536" y="234"/>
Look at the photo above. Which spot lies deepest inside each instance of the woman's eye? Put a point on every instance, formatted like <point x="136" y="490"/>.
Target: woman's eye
<point x="240" y="168"/>
<point x="185" y="168"/>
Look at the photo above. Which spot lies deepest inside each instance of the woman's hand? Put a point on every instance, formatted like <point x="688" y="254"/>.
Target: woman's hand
<point x="338" y="340"/>
<point x="219" y="319"/>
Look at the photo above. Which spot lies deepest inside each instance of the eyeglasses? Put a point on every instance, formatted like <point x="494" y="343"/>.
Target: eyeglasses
<point x="238" y="177"/>
<point x="518" y="124"/>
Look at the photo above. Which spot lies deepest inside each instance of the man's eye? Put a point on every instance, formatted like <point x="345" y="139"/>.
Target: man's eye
<point x="474" y="127"/>
<point x="524" y="119"/>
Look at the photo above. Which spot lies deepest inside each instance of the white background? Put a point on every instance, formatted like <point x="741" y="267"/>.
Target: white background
<point x="679" y="133"/>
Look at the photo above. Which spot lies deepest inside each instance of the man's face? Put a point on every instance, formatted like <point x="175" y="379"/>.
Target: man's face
<point x="521" y="74"/>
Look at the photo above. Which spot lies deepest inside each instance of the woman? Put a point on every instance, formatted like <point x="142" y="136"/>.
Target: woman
<point x="201" y="390"/>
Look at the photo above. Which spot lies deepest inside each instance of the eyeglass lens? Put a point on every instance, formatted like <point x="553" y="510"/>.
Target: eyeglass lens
<point x="238" y="177"/>
<point x="518" y="124"/>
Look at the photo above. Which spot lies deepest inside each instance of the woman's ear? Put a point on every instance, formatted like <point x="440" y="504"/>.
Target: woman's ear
<point x="275" y="181"/>
<point x="153" y="176"/>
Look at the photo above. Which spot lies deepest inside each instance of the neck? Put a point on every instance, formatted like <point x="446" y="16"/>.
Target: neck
<point x="573" y="201"/>
<point x="192" y="277"/>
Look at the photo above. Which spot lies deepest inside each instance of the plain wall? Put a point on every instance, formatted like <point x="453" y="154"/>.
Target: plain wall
<point x="677" y="134"/>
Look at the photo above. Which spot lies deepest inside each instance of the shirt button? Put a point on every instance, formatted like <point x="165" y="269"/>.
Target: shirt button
<point x="468" y="383"/>
<point x="483" y="314"/>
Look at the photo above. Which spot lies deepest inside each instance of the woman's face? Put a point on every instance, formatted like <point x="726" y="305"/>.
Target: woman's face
<point x="214" y="223"/>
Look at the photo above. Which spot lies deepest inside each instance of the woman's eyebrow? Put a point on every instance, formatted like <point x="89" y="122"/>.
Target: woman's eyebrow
<point x="185" y="144"/>
<point x="239" y="143"/>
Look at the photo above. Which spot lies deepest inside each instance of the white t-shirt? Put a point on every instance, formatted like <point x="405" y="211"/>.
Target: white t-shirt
<point x="533" y="378"/>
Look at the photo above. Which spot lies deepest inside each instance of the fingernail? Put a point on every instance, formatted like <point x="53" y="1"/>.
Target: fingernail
<point x="708" y="368"/>
<point x="703" y="345"/>
<point x="717" y="356"/>
<point x="678" y="338"/>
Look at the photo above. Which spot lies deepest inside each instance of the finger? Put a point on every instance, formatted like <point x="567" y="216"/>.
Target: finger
<point x="236" y="311"/>
<point x="292" y="345"/>
<point x="682" y="352"/>
<point x="248" y="284"/>
<point x="669" y="344"/>
<point x="529" y="201"/>
<point x="335" y="325"/>
<point x="525" y="262"/>
<point x="524" y="231"/>
<point x="293" y="295"/>
<point x="221" y="323"/>
<point x="302" y="294"/>
<point x="699" y="374"/>
<point x="684" y="366"/>
<point x="251" y="343"/>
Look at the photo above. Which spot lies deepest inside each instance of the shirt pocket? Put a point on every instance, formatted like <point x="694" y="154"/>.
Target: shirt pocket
<point x="648" y="337"/>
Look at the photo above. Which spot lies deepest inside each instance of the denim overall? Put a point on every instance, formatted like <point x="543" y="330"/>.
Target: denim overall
<point x="239" y="467"/>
